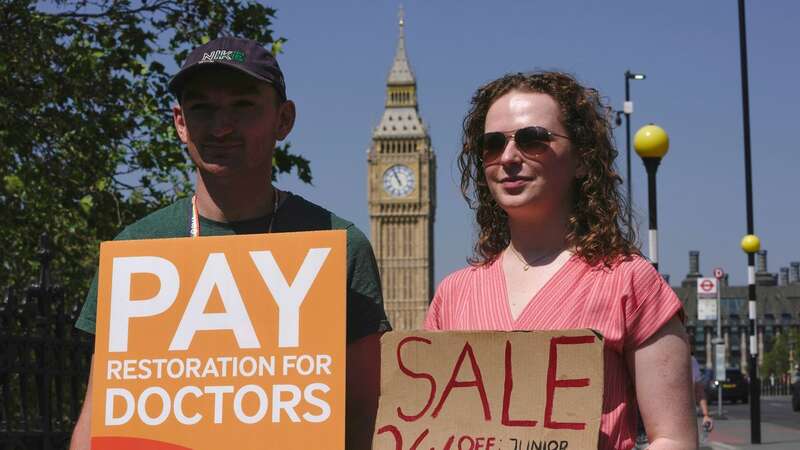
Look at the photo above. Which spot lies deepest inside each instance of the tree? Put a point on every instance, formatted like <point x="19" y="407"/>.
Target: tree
<point x="776" y="360"/>
<point x="86" y="137"/>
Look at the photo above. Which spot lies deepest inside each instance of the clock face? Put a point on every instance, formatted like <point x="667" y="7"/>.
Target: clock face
<point x="398" y="180"/>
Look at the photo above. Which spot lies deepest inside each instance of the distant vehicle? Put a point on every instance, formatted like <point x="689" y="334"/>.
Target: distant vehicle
<point x="735" y="387"/>
<point x="796" y="391"/>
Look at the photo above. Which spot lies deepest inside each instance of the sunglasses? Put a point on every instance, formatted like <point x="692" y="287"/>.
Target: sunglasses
<point x="530" y="141"/>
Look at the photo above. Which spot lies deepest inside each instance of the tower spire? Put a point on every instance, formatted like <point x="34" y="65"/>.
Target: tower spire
<point x="401" y="118"/>
<point x="401" y="73"/>
<point x="401" y="21"/>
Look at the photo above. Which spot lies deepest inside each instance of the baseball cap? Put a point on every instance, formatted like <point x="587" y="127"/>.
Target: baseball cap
<point x="244" y="55"/>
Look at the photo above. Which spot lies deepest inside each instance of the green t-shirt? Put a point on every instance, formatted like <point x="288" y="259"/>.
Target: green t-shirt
<point x="365" y="313"/>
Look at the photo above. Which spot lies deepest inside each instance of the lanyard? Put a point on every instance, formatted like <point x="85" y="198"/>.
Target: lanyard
<point x="194" y="226"/>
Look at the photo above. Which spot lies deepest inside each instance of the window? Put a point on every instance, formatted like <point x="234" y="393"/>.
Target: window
<point x="700" y="336"/>
<point x="732" y="306"/>
<point x="734" y="336"/>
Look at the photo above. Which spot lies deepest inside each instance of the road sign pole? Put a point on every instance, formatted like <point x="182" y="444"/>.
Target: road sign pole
<point x="720" y="374"/>
<point x="718" y="347"/>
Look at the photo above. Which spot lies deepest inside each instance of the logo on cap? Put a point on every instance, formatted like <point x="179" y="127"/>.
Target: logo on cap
<point x="223" y="55"/>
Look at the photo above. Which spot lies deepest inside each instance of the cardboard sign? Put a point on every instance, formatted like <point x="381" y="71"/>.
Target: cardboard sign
<point x="221" y="342"/>
<point x="490" y="390"/>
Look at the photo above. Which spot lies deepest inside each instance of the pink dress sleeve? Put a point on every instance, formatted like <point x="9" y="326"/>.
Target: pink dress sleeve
<point x="650" y="303"/>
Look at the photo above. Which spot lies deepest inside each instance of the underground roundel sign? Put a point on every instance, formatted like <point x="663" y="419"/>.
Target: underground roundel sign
<point x="707" y="287"/>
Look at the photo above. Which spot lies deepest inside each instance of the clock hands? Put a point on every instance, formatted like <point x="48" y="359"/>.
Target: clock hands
<point x="394" y="172"/>
<point x="398" y="180"/>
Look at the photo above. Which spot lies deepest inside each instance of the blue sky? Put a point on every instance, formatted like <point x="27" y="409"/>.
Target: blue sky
<point x="338" y="55"/>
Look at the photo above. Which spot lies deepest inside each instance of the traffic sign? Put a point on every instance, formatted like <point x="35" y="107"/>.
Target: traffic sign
<point x="719" y="366"/>
<point x="706" y="309"/>
<point x="706" y="287"/>
<point x="719" y="273"/>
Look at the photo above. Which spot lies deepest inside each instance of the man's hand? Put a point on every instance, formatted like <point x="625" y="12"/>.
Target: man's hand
<point x="82" y="434"/>
<point x="708" y="424"/>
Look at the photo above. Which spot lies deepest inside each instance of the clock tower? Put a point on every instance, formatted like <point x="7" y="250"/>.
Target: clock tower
<point x="401" y="176"/>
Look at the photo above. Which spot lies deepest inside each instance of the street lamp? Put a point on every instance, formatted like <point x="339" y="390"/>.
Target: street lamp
<point x="751" y="245"/>
<point x="627" y="108"/>
<point x="755" y="402"/>
<point x="651" y="143"/>
<point x="793" y="366"/>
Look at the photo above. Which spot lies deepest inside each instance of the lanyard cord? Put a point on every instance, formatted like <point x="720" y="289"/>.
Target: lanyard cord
<point x="194" y="226"/>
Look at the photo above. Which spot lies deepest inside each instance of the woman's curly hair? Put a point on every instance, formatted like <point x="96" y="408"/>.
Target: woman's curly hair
<point x="596" y="225"/>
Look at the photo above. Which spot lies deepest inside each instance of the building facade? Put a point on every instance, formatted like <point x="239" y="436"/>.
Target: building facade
<point x="777" y="308"/>
<point x="402" y="198"/>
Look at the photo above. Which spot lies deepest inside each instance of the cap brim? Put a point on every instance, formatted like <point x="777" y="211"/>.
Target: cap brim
<point x="180" y="78"/>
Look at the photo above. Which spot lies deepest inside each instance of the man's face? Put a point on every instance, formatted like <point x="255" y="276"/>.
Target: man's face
<point x="230" y="123"/>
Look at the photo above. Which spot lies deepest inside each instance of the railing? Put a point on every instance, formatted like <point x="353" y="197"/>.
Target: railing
<point x="775" y="388"/>
<point x="44" y="365"/>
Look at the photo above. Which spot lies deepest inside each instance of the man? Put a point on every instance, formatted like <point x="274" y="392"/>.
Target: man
<point x="700" y="394"/>
<point x="232" y="109"/>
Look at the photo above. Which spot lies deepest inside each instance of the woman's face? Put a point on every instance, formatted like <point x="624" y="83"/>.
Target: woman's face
<point x="537" y="182"/>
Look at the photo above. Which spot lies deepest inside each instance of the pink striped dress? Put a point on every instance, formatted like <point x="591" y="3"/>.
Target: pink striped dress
<point x="627" y="304"/>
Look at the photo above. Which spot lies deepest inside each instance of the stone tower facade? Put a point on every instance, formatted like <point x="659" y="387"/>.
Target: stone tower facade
<point x="402" y="193"/>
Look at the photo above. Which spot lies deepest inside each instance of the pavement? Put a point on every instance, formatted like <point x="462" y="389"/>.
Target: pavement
<point x="780" y="427"/>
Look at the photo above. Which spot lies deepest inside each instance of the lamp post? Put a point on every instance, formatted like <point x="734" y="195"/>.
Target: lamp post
<point x="751" y="245"/>
<point x="792" y="345"/>
<point x="651" y="143"/>
<point x="792" y="353"/>
<point x="627" y="108"/>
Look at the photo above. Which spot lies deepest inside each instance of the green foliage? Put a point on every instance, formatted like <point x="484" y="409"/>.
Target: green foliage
<point x="283" y="162"/>
<point x="86" y="137"/>
<point x="776" y="360"/>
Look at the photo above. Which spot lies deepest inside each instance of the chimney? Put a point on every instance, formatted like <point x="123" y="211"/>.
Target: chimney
<point x="764" y="278"/>
<point x="694" y="269"/>
<point x="783" y="276"/>
<point x="694" y="262"/>
<point x="761" y="263"/>
<point x="794" y="272"/>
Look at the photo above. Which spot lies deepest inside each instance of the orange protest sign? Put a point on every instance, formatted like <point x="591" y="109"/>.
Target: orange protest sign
<point x="484" y="390"/>
<point x="221" y="342"/>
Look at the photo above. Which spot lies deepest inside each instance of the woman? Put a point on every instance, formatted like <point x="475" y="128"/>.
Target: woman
<point x="537" y="165"/>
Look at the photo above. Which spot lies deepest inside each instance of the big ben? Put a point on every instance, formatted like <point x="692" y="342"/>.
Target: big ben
<point x="401" y="174"/>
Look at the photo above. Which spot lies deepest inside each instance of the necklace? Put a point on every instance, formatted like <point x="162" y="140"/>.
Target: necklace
<point x="194" y="226"/>
<point x="527" y="265"/>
